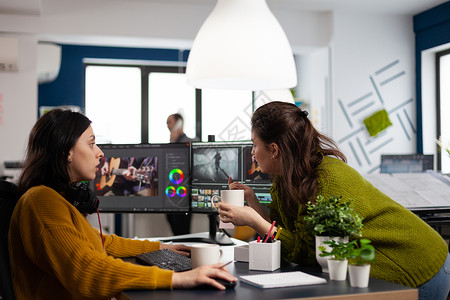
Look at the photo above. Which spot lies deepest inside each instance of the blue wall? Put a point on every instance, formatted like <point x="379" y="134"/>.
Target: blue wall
<point x="68" y="87"/>
<point x="432" y="28"/>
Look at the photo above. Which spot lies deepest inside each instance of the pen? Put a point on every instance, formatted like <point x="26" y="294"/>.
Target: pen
<point x="259" y="239"/>
<point x="278" y="233"/>
<point x="270" y="230"/>
<point x="225" y="264"/>
<point x="267" y="239"/>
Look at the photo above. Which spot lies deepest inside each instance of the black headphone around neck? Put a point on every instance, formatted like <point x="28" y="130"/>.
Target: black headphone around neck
<point x="80" y="196"/>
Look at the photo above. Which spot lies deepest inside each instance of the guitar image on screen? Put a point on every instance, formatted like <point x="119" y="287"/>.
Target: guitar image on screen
<point x="143" y="174"/>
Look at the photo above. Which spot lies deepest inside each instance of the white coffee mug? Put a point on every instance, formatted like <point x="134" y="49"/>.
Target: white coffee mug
<point x="233" y="197"/>
<point x="205" y="254"/>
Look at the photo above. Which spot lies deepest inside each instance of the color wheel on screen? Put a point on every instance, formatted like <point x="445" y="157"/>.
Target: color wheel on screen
<point x="176" y="176"/>
<point x="181" y="191"/>
<point x="170" y="191"/>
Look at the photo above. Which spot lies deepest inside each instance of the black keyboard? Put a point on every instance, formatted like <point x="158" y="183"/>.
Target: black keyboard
<point x="165" y="259"/>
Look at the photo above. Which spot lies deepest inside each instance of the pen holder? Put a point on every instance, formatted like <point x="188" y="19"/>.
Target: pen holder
<point x="264" y="256"/>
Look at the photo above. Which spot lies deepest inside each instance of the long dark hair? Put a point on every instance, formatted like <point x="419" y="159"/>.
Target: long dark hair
<point x="49" y="144"/>
<point x="302" y="149"/>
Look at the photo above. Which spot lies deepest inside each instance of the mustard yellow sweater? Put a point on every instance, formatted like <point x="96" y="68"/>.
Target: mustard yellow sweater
<point x="56" y="254"/>
<point x="408" y="251"/>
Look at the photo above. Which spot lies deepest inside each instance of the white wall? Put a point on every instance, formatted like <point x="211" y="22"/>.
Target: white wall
<point x="18" y="101"/>
<point x="368" y="50"/>
<point x="321" y="105"/>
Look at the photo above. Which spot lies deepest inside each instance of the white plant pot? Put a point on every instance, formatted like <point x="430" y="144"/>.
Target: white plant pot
<point x="359" y="275"/>
<point x="338" y="269"/>
<point x="319" y="242"/>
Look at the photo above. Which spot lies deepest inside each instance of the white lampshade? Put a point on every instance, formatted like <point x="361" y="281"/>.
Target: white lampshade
<point x="241" y="46"/>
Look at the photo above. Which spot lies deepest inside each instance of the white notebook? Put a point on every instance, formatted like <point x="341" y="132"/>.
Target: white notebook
<point x="284" y="279"/>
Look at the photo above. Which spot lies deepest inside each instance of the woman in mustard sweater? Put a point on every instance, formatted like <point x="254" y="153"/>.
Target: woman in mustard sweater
<point x="54" y="252"/>
<point x="305" y="164"/>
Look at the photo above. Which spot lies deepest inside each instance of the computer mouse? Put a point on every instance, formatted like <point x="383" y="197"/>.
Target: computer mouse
<point x="227" y="284"/>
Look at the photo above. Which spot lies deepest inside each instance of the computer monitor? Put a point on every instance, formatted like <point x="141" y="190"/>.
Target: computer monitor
<point x="406" y="163"/>
<point x="144" y="178"/>
<point x="212" y="164"/>
<point x="210" y="174"/>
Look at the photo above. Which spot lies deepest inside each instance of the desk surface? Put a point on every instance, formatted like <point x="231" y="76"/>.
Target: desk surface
<point x="378" y="289"/>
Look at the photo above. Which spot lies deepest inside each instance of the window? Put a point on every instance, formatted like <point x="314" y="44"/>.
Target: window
<point x="169" y="93"/>
<point x="113" y="103"/>
<point x="443" y="105"/>
<point x="130" y="104"/>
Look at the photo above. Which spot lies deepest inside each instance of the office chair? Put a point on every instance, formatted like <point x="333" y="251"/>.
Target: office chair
<point x="9" y="195"/>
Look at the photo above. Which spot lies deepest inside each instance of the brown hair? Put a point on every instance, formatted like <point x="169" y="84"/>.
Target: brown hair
<point x="302" y="149"/>
<point x="49" y="144"/>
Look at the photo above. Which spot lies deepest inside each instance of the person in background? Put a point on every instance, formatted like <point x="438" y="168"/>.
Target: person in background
<point x="179" y="223"/>
<point x="175" y="126"/>
<point x="55" y="253"/>
<point x="306" y="164"/>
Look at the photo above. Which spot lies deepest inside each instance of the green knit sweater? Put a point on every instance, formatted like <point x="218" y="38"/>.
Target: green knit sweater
<point x="408" y="251"/>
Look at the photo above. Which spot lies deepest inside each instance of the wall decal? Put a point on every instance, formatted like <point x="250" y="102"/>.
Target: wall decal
<point x="390" y="107"/>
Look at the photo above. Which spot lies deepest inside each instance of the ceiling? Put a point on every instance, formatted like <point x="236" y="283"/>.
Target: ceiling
<point x="403" y="7"/>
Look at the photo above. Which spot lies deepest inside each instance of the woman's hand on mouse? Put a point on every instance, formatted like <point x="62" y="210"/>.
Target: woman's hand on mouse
<point x="201" y="276"/>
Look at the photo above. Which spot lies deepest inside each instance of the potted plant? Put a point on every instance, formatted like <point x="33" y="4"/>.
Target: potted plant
<point x="338" y="258"/>
<point x="362" y="255"/>
<point x="331" y="219"/>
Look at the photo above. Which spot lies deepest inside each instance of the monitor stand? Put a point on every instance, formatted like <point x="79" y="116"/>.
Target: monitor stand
<point x="215" y="237"/>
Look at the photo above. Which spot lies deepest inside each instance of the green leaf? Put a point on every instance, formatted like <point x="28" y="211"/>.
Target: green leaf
<point x="332" y="217"/>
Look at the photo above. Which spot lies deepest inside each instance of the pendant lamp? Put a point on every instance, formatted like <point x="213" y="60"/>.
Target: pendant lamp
<point x="241" y="46"/>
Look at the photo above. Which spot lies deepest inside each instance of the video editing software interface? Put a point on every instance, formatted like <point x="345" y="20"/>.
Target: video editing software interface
<point x="143" y="178"/>
<point x="214" y="162"/>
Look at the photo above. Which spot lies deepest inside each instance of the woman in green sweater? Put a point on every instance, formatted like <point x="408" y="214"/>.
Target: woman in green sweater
<point x="306" y="164"/>
<point x="54" y="252"/>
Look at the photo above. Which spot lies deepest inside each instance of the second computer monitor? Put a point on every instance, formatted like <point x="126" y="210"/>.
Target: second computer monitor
<point x="214" y="162"/>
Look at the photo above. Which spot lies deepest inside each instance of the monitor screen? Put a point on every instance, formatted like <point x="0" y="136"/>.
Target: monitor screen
<point x="215" y="162"/>
<point x="143" y="178"/>
<point x="201" y="196"/>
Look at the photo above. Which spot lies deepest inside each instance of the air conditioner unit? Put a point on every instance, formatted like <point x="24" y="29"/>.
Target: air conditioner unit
<point x="48" y="62"/>
<point x="9" y="54"/>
